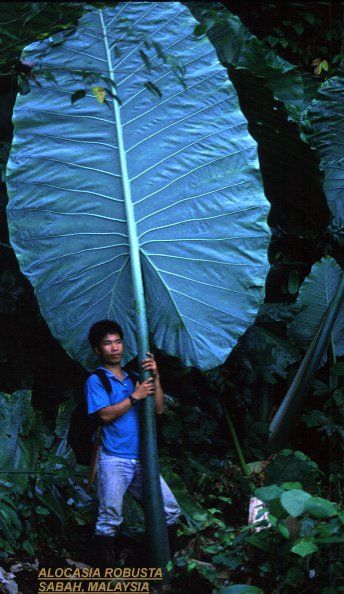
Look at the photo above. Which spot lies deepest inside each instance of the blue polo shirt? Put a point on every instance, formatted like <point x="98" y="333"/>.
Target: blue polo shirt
<point x="120" y="437"/>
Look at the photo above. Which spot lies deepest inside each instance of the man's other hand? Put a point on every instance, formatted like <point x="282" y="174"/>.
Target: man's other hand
<point x="150" y="365"/>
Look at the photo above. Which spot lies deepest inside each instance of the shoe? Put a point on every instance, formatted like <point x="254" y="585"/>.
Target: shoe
<point x="172" y="537"/>
<point x="105" y="551"/>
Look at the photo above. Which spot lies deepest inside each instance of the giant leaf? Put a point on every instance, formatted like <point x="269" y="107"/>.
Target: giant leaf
<point x="315" y="296"/>
<point x="185" y="163"/>
<point x="324" y="128"/>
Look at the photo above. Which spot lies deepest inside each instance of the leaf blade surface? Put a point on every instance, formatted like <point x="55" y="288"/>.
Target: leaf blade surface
<point x="186" y="160"/>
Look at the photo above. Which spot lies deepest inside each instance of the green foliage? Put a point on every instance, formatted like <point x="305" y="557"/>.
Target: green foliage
<point x="42" y="499"/>
<point x="238" y="48"/>
<point x="196" y="516"/>
<point x="300" y="32"/>
<point x="329" y="421"/>
<point x="273" y="93"/>
<point x="324" y="421"/>
<point x="319" y="521"/>
<point x="273" y="557"/>
<point x="21" y="434"/>
<point x="240" y="589"/>
<point x="292" y="467"/>
<point x="298" y="390"/>
<point x="265" y="354"/>
<point x="303" y="531"/>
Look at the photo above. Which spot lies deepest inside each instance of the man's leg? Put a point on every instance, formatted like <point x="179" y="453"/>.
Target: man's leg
<point x="171" y="507"/>
<point x="172" y="513"/>
<point x="113" y="477"/>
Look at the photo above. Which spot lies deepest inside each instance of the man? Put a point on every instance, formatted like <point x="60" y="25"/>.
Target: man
<point x="119" y="466"/>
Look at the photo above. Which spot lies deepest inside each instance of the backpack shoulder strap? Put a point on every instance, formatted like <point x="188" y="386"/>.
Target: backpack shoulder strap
<point x="103" y="378"/>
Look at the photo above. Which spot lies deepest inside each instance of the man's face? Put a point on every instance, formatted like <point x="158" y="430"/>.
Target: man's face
<point x="110" y="349"/>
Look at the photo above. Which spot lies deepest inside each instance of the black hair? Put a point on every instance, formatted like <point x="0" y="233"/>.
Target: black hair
<point x="101" y="329"/>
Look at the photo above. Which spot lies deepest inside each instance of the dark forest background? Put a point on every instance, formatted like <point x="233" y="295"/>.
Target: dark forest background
<point x="45" y="512"/>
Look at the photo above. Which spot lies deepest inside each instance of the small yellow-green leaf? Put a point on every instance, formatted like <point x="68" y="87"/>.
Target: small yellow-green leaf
<point x="99" y="93"/>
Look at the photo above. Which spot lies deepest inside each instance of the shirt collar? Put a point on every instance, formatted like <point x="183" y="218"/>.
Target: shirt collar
<point x="111" y="375"/>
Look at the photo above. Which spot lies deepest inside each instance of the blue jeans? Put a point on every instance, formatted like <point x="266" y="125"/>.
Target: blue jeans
<point x="114" y="477"/>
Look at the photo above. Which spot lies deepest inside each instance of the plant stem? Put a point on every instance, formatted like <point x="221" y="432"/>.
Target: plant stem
<point x="237" y="446"/>
<point x="152" y="497"/>
<point x="333" y="361"/>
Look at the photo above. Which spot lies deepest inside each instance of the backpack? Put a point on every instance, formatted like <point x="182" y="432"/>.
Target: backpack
<point x="83" y="427"/>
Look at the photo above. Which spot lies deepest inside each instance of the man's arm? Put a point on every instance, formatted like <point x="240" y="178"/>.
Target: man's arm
<point x="150" y="365"/>
<point x="158" y="396"/>
<point x="109" y="413"/>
